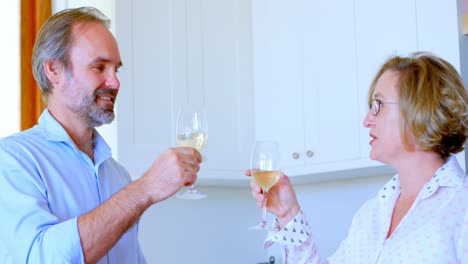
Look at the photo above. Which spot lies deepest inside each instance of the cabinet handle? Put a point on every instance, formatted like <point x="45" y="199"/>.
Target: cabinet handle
<point x="310" y="153"/>
<point x="295" y="155"/>
<point x="270" y="261"/>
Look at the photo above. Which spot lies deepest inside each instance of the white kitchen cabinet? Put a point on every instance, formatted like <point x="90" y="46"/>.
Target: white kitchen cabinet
<point x="313" y="64"/>
<point x="305" y="81"/>
<point x="297" y="71"/>
<point x="383" y="29"/>
<point x="174" y="52"/>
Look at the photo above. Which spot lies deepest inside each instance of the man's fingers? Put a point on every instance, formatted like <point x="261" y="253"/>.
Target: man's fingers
<point x="190" y="177"/>
<point x="191" y="152"/>
<point x="189" y="157"/>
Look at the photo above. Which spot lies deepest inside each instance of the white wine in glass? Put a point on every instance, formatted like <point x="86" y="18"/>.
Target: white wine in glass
<point x="265" y="169"/>
<point x="192" y="131"/>
<point x="196" y="140"/>
<point x="266" y="179"/>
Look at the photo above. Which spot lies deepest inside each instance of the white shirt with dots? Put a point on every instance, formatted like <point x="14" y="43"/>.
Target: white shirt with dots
<point x="434" y="230"/>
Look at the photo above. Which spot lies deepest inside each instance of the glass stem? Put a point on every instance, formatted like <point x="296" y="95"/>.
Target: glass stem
<point x="191" y="188"/>
<point x="264" y="216"/>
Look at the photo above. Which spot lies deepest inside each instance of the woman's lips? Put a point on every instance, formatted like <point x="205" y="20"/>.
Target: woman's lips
<point x="374" y="138"/>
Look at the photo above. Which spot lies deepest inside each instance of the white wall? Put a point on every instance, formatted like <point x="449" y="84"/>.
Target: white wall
<point x="10" y="68"/>
<point x="214" y="230"/>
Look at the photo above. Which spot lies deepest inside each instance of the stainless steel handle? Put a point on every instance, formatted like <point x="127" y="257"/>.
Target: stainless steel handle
<point x="295" y="155"/>
<point x="310" y="153"/>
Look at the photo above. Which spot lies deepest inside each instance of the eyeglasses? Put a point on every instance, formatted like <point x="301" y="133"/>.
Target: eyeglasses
<point x="376" y="104"/>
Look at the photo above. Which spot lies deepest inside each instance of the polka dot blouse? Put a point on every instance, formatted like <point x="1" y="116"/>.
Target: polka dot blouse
<point x="434" y="230"/>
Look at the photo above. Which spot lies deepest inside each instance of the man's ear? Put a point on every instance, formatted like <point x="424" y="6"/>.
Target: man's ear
<point x="54" y="71"/>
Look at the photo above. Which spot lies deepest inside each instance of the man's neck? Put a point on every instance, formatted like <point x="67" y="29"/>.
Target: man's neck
<point x="81" y="134"/>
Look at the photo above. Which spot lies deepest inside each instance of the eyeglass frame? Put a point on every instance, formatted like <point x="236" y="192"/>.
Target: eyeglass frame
<point x="377" y="104"/>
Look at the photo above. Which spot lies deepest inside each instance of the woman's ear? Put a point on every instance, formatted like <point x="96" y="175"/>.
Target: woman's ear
<point x="53" y="70"/>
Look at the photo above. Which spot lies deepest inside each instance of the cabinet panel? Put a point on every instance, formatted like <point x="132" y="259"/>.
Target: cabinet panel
<point x="227" y="80"/>
<point x="306" y="81"/>
<point x="383" y="28"/>
<point x="437" y="23"/>
<point x="330" y="82"/>
<point x="176" y="52"/>
<point x="146" y="99"/>
<point x="152" y="76"/>
<point x="296" y="71"/>
<point x="278" y="75"/>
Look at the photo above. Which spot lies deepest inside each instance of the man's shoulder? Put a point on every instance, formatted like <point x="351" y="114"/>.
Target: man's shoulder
<point x="27" y="138"/>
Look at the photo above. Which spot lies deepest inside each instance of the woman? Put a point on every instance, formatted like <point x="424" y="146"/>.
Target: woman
<point x="417" y="118"/>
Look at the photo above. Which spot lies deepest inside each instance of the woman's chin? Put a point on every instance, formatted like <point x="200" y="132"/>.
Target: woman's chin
<point x="373" y="156"/>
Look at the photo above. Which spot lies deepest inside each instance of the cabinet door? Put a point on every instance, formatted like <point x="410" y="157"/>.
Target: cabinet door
<point x="306" y="80"/>
<point x="228" y="87"/>
<point x="438" y="29"/>
<point x="278" y="75"/>
<point x="330" y="83"/>
<point x="176" y="52"/>
<point x="145" y="106"/>
<point x="383" y="28"/>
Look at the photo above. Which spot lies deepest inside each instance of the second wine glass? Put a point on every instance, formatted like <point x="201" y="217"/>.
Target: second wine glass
<point x="265" y="169"/>
<point x="192" y="131"/>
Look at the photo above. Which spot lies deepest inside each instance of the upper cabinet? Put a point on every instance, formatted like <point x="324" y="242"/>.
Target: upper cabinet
<point x="313" y="64"/>
<point x="297" y="71"/>
<point x="306" y="83"/>
<point x="175" y="52"/>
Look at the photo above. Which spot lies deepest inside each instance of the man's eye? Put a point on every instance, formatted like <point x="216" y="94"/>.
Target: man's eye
<point x="99" y="68"/>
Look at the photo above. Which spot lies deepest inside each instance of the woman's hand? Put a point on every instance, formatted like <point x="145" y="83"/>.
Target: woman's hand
<point x="281" y="202"/>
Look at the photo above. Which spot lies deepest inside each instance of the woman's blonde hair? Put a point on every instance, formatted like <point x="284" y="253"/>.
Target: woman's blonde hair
<point x="432" y="102"/>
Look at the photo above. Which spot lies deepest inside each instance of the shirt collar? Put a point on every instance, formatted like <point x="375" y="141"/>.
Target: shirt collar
<point x="53" y="131"/>
<point x="390" y="189"/>
<point x="102" y="151"/>
<point x="448" y="175"/>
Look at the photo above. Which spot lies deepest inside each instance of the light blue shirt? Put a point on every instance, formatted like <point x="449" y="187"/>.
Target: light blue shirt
<point x="46" y="182"/>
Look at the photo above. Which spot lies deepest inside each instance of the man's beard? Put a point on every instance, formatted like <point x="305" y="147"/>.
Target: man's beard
<point x="90" y="112"/>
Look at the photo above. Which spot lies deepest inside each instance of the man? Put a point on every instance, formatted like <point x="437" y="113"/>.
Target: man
<point x="63" y="198"/>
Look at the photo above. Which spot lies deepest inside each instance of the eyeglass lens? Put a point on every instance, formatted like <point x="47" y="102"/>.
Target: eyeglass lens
<point x="375" y="106"/>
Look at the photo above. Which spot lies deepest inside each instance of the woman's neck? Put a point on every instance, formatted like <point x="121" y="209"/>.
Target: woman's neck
<point x="416" y="169"/>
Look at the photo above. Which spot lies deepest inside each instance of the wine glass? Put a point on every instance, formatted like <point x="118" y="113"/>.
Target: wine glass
<point x="265" y="169"/>
<point x="192" y="131"/>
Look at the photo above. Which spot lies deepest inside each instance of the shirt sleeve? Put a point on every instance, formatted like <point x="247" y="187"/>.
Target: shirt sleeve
<point x="296" y="240"/>
<point x="29" y="230"/>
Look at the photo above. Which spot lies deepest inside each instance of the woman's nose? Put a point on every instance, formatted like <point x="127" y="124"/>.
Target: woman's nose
<point x="368" y="119"/>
